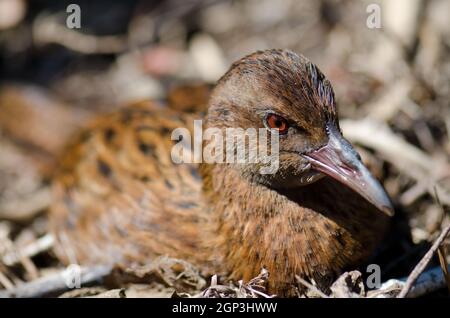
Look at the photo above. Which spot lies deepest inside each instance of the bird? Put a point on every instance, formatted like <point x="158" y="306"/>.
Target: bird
<point x="119" y="197"/>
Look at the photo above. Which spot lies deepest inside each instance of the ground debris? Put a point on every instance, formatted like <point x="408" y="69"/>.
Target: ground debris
<point x="170" y="272"/>
<point x="348" y="285"/>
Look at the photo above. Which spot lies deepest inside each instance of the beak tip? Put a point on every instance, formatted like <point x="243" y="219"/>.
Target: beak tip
<point x="383" y="202"/>
<point x="388" y="210"/>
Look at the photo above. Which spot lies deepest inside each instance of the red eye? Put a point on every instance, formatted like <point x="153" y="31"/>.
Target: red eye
<point x="277" y="122"/>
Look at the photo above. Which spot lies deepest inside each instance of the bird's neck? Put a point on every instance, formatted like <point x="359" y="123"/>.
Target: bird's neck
<point x="249" y="229"/>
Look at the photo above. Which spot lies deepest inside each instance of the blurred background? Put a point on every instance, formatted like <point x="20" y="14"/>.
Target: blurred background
<point x="391" y="83"/>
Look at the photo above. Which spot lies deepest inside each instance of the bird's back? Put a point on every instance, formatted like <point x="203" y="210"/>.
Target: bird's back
<point x="119" y="197"/>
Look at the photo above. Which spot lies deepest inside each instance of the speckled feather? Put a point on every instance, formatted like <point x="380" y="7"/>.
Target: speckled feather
<point x="119" y="197"/>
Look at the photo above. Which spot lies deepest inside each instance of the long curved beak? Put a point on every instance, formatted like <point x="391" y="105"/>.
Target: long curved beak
<point x="340" y="161"/>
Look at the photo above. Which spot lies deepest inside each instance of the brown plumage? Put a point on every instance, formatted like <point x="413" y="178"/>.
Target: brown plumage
<point x="119" y="198"/>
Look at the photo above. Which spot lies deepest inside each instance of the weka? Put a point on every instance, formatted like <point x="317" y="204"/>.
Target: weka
<point x="119" y="198"/>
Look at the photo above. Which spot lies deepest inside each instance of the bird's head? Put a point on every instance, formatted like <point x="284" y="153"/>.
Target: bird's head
<point x="283" y="92"/>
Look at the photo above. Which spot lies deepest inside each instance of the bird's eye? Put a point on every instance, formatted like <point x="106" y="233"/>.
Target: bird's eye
<point x="274" y="121"/>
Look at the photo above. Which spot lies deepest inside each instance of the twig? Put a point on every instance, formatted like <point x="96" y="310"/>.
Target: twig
<point x="55" y="283"/>
<point x="423" y="263"/>
<point x="428" y="282"/>
<point x="42" y="244"/>
<point x="29" y="267"/>
<point x="255" y="288"/>
<point x="444" y="265"/>
<point x="310" y="286"/>
<point x="441" y="250"/>
<point x="5" y="281"/>
<point x="46" y="29"/>
<point x="254" y="292"/>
